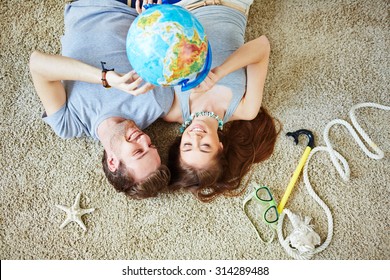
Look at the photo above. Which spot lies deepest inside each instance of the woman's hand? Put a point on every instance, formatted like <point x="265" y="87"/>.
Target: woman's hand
<point x="208" y="83"/>
<point x="129" y="83"/>
<point x="140" y="8"/>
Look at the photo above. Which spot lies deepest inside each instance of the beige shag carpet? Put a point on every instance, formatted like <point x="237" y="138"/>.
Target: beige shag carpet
<point x="326" y="57"/>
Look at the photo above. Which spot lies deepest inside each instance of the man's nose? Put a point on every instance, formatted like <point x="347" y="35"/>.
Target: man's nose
<point x="143" y="143"/>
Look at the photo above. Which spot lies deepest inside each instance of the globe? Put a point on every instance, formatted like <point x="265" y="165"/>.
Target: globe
<point x="166" y="45"/>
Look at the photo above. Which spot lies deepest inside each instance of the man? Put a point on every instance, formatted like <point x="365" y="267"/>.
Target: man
<point x="83" y="104"/>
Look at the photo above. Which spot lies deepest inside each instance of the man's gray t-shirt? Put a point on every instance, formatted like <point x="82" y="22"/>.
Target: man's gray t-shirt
<point x="96" y="31"/>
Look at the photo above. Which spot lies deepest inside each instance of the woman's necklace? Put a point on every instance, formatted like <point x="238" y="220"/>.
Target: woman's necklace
<point x="199" y="114"/>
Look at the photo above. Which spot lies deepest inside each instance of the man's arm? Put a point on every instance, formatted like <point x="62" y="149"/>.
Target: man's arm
<point x="49" y="89"/>
<point x="48" y="71"/>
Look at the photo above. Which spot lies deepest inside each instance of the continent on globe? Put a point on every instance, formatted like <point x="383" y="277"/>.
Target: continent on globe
<point x="188" y="57"/>
<point x="149" y="20"/>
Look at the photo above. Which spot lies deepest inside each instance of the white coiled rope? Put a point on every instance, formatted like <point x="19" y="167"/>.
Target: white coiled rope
<point x="308" y="238"/>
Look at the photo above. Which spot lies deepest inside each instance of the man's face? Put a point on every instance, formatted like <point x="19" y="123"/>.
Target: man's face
<point x="134" y="148"/>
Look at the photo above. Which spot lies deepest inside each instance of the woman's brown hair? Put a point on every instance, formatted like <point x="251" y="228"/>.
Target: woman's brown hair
<point x="245" y="143"/>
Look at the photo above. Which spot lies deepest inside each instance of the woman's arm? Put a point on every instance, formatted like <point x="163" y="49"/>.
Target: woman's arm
<point x="250" y="53"/>
<point x="256" y="54"/>
<point x="48" y="71"/>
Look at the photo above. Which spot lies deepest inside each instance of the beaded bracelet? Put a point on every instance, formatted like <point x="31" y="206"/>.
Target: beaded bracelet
<point x="104" y="73"/>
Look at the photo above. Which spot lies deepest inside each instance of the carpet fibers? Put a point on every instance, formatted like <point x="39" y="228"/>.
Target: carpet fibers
<point x="326" y="57"/>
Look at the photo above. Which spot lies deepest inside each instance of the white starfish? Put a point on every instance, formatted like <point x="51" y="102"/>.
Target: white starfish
<point x="74" y="213"/>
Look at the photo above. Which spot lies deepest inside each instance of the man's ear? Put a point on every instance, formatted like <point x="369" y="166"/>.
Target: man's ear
<point x="112" y="162"/>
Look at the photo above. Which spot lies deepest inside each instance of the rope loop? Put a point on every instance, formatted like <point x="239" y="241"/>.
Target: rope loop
<point x="343" y="170"/>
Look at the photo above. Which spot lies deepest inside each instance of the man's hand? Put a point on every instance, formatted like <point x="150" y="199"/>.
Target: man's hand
<point x="129" y="83"/>
<point x="140" y="8"/>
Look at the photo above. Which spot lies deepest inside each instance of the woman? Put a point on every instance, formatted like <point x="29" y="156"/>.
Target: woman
<point x="208" y="160"/>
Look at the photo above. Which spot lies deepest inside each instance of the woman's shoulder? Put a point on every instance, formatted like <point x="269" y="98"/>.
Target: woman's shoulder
<point x="175" y="113"/>
<point x="244" y="111"/>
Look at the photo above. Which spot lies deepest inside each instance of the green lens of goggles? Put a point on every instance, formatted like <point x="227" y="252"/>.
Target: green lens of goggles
<point x="264" y="196"/>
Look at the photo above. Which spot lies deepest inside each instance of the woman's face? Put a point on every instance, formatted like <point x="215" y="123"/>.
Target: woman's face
<point x="200" y="142"/>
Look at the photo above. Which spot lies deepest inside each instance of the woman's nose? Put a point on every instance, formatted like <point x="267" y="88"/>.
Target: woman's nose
<point x="196" y="134"/>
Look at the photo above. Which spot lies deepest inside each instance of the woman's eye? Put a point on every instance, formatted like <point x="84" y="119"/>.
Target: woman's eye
<point x="187" y="145"/>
